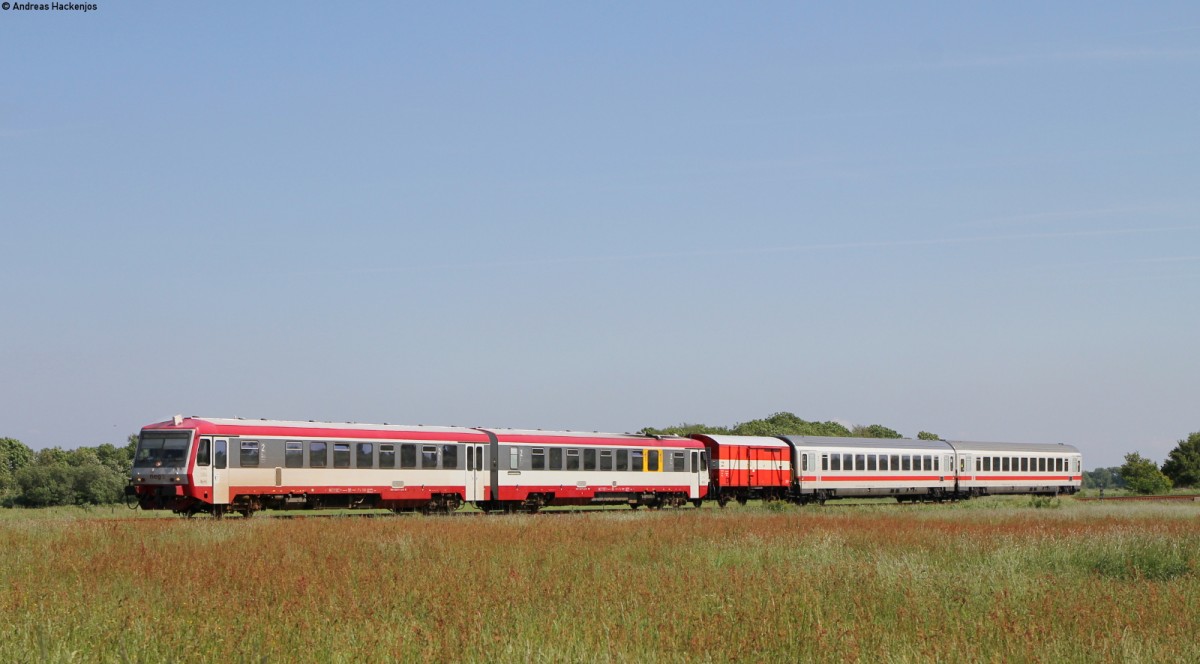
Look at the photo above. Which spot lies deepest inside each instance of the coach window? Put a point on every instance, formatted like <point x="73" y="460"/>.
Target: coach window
<point x="572" y="459"/>
<point x="408" y="455"/>
<point x="538" y="458"/>
<point x="654" y="461"/>
<point x="995" y="464"/>
<point x="317" y="455"/>
<point x="450" y="457"/>
<point x="1004" y="464"/>
<point x="219" y="455"/>
<point x="293" y="454"/>
<point x="871" y="463"/>
<point x="704" y="461"/>
<point x="804" y="462"/>
<point x="1024" y="464"/>
<point x="249" y="456"/>
<point x="589" y="459"/>
<point x="341" y="455"/>
<point x="678" y="462"/>
<point x="894" y="462"/>
<point x="860" y="462"/>
<point x="514" y="458"/>
<point x="847" y="462"/>
<point x="835" y="462"/>
<point x="606" y="460"/>
<point x="387" y="455"/>
<point x="1058" y="465"/>
<point x="556" y="458"/>
<point x="365" y="457"/>
<point x="204" y="452"/>
<point x="987" y="463"/>
<point x="636" y="460"/>
<point x="429" y="456"/>
<point x="824" y="462"/>
<point x="622" y="460"/>
<point x="883" y="462"/>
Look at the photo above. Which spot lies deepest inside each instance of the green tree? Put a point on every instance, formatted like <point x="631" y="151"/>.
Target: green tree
<point x="14" y="456"/>
<point x="117" y="458"/>
<point x="1183" y="463"/>
<point x="1143" y="476"/>
<point x="684" y="430"/>
<point x="44" y="485"/>
<point x="97" y="484"/>
<point x="788" y="424"/>
<point x="925" y="435"/>
<point x="1103" y="478"/>
<point x="51" y="456"/>
<point x="776" y="424"/>
<point x="874" y="431"/>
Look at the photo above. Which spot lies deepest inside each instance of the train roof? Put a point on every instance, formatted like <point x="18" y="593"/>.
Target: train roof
<point x="543" y="437"/>
<point x="867" y="443"/>
<point x="742" y="441"/>
<point x="266" y="427"/>
<point x="194" y="421"/>
<point x="971" y="446"/>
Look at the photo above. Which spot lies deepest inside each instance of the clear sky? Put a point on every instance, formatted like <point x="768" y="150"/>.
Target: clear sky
<point x="977" y="220"/>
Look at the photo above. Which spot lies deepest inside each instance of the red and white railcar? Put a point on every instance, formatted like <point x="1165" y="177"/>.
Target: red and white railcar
<point x="216" y="465"/>
<point x="748" y="467"/>
<point x="538" y="468"/>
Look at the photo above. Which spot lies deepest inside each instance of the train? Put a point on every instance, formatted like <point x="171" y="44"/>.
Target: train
<point x="193" y="465"/>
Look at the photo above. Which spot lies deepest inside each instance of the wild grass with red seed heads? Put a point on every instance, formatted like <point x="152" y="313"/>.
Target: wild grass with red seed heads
<point x="993" y="581"/>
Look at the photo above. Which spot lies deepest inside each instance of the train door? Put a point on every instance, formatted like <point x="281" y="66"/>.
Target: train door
<point x="751" y="471"/>
<point x="202" y="477"/>
<point x="774" y="459"/>
<point x="220" y="471"/>
<point x="477" y="476"/>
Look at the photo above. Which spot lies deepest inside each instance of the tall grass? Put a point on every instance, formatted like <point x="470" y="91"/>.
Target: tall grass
<point x="1013" y="582"/>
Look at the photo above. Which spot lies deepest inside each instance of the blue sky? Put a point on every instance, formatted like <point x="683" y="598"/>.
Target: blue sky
<point x="978" y="221"/>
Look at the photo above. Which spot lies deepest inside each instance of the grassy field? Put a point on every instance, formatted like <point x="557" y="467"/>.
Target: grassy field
<point x="998" y="580"/>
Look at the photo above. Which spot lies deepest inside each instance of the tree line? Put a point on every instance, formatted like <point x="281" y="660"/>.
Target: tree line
<point x="1142" y="475"/>
<point x="54" y="476"/>
<point x="98" y="475"/>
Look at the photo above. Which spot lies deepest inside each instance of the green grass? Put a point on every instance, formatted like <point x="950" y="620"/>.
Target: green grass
<point x="998" y="579"/>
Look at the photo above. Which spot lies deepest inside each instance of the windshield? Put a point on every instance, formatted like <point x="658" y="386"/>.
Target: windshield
<point x="161" y="448"/>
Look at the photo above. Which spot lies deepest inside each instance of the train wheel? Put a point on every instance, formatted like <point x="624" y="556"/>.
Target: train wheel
<point x="698" y="503"/>
<point x="741" y="500"/>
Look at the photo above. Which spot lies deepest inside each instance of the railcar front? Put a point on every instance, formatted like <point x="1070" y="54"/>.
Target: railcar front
<point x="900" y="468"/>
<point x="537" y="468"/>
<point x="162" y="473"/>
<point x="1018" y="468"/>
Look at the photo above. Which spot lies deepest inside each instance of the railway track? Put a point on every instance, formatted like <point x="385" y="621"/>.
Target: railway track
<point x="1162" y="498"/>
